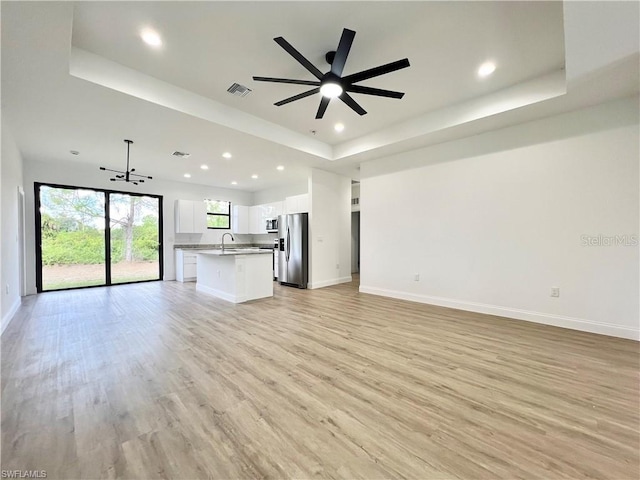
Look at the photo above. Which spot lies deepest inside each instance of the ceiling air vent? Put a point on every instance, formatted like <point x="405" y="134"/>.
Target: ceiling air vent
<point x="181" y="154"/>
<point x="238" y="90"/>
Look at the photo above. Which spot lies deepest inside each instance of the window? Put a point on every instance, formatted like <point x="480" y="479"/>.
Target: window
<point x="218" y="214"/>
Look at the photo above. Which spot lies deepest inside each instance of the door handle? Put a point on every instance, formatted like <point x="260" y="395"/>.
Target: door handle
<point x="288" y="244"/>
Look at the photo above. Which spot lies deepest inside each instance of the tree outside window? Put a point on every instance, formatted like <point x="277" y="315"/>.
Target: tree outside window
<point x="218" y="214"/>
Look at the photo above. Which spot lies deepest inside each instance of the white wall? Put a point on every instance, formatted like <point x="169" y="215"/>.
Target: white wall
<point x="493" y="232"/>
<point x="11" y="173"/>
<point x="76" y="174"/>
<point x="329" y="229"/>
<point x="278" y="194"/>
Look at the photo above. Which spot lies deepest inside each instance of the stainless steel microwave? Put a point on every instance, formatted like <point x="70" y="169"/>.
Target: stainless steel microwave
<point x="272" y="225"/>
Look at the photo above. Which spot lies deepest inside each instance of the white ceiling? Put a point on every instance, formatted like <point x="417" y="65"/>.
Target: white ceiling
<point x="210" y="45"/>
<point x="174" y="98"/>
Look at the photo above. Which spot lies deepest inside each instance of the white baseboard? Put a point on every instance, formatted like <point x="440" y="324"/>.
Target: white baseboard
<point x="6" y="319"/>
<point x="328" y="283"/>
<point x="527" y="315"/>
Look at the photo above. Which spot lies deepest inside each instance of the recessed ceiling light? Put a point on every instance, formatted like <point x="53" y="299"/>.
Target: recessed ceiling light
<point x="234" y="183"/>
<point x="280" y="167"/>
<point x="151" y="37"/>
<point x="254" y="176"/>
<point x="187" y="175"/>
<point x="226" y="155"/>
<point x="486" y="69"/>
<point x="204" y="167"/>
<point x="338" y="127"/>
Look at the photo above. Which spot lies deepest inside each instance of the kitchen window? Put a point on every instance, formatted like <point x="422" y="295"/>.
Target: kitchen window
<point x="218" y="214"/>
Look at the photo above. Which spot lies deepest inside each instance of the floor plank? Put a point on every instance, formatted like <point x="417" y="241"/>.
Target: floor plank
<point x="155" y="380"/>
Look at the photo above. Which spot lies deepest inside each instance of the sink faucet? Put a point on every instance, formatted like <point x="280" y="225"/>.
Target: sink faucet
<point x="223" y="235"/>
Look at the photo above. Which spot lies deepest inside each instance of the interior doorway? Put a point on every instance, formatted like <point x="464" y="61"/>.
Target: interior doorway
<point x="89" y="237"/>
<point x="355" y="242"/>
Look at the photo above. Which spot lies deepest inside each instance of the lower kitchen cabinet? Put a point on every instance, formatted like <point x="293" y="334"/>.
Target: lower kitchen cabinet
<point x="186" y="265"/>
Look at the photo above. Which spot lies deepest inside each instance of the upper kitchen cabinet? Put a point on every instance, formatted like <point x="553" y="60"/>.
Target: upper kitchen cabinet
<point x="240" y="219"/>
<point x="297" y="204"/>
<point x="190" y="216"/>
<point x="257" y="221"/>
<point x="272" y="210"/>
<point x="259" y="214"/>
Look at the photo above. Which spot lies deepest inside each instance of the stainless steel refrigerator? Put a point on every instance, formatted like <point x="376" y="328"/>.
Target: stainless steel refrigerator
<point x="293" y="234"/>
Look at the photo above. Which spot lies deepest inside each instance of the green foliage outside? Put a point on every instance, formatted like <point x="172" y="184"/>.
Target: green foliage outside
<point x="73" y="227"/>
<point x="218" y="221"/>
<point x="86" y="247"/>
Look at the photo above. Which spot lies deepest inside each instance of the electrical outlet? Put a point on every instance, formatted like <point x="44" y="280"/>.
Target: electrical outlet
<point x="555" y="291"/>
<point x="416" y="277"/>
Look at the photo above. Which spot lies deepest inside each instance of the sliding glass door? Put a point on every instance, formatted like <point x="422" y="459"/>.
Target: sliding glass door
<point x="89" y="237"/>
<point x="134" y="237"/>
<point x="72" y="232"/>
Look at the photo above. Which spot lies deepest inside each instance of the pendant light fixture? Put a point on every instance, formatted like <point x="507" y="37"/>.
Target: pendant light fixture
<point x="127" y="175"/>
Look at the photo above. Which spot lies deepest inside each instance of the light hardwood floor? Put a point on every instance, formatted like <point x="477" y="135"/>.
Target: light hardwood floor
<point x="157" y="381"/>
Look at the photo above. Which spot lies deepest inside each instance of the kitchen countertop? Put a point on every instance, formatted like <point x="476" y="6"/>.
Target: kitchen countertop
<point x="236" y="251"/>
<point x="217" y="246"/>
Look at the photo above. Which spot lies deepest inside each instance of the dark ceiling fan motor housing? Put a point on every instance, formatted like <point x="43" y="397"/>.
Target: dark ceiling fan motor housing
<point x="337" y="60"/>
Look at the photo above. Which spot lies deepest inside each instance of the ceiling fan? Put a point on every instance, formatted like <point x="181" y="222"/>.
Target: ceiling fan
<point x="332" y="84"/>
<point x="126" y="176"/>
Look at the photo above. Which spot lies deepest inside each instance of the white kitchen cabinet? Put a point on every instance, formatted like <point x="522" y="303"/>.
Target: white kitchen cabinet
<point x="257" y="221"/>
<point x="272" y="210"/>
<point x="186" y="265"/>
<point x="297" y="203"/>
<point x="190" y="216"/>
<point x="240" y="219"/>
<point x="258" y="215"/>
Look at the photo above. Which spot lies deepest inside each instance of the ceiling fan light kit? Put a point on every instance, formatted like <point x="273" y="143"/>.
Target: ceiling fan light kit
<point x="127" y="175"/>
<point x="332" y="84"/>
<point x="331" y="89"/>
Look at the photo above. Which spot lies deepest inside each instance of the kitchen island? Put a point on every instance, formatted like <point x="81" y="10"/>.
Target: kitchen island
<point x="235" y="275"/>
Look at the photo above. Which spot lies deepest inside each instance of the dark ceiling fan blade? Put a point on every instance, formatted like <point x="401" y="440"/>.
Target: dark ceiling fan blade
<point x="298" y="56"/>
<point x="377" y="71"/>
<point x="352" y="103"/>
<point x="286" y="80"/>
<point x="374" y="91"/>
<point x="342" y="52"/>
<point x="297" y="97"/>
<point x="324" y="103"/>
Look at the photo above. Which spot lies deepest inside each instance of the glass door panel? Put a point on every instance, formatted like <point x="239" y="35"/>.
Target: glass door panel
<point x="72" y="238"/>
<point x="135" y="238"/>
